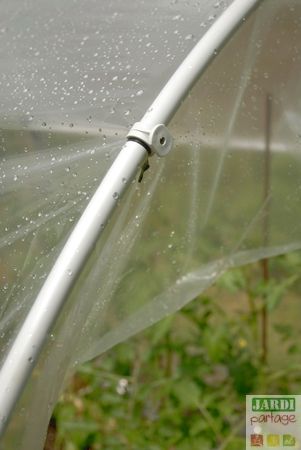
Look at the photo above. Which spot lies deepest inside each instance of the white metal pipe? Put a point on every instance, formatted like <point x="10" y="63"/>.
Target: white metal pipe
<point x="178" y="86"/>
<point x="29" y="342"/>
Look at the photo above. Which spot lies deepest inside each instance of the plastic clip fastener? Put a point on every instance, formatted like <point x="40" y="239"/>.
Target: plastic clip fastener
<point x="157" y="140"/>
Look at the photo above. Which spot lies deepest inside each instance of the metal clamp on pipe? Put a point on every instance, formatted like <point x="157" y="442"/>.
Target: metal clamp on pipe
<point x="157" y="140"/>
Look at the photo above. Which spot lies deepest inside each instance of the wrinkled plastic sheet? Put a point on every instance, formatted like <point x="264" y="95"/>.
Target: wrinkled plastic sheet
<point x="228" y="194"/>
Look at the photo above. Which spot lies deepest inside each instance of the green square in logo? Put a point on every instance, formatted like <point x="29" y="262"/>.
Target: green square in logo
<point x="289" y="440"/>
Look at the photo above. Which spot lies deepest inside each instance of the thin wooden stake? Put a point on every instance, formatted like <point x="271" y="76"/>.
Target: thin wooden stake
<point x="266" y="199"/>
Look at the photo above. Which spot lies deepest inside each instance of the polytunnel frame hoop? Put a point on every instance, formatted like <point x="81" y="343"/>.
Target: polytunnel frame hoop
<point x="28" y="344"/>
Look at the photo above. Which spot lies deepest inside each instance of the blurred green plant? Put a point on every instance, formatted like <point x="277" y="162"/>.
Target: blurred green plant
<point x="181" y="384"/>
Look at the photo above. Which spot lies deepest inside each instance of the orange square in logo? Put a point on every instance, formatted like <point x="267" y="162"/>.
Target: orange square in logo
<point x="273" y="440"/>
<point x="256" y="440"/>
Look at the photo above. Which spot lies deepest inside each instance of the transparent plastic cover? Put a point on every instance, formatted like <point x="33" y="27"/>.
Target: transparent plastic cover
<point x="74" y="76"/>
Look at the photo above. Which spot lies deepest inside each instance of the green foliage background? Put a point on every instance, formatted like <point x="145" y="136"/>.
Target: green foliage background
<point x="181" y="384"/>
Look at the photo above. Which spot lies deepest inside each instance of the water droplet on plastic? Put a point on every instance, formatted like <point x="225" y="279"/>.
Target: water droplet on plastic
<point x="115" y="196"/>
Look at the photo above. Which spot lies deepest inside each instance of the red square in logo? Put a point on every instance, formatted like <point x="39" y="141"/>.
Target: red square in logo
<point x="256" y="440"/>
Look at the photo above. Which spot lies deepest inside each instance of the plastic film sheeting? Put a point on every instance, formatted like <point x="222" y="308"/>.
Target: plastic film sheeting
<point x="229" y="193"/>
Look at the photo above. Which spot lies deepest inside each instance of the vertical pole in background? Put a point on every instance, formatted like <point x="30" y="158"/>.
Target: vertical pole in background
<point x="265" y="226"/>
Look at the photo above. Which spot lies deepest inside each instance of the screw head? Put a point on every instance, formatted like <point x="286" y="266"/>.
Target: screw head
<point x="161" y="140"/>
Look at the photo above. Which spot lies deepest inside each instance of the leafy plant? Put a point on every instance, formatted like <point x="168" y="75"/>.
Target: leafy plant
<point x="182" y="383"/>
